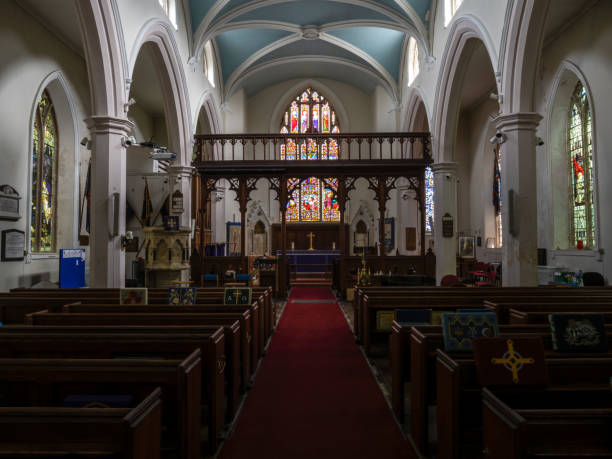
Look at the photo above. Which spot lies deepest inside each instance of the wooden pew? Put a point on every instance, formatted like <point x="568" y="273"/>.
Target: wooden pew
<point x="44" y="382"/>
<point x="229" y="323"/>
<point x="513" y="429"/>
<point x="424" y="343"/>
<point x="131" y="433"/>
<point x="106" y="345"/>
<point x="459" y="397"/>
<point x="503" y="310"/>
<point x="14" y="311"/>
<point x="252" y="331"/>
<point x="541" y="317"/>
<point x="217" y="316"/>
<point x="375" y="304"/>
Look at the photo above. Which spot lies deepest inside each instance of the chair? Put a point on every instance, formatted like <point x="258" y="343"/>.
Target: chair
<point x="450" y="280"/>
<point x="593" y="279"/>
<point x="491" y="279"/>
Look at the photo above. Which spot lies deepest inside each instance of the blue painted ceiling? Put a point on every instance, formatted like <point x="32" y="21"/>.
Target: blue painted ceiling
<point x="367" y="37"/>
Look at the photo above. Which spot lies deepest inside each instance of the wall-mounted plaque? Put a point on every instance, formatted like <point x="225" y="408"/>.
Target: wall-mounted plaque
<point x="9" y="203"/>
<point x="411" y="238"/>
<point x="177" y="202"/>
<point x="13" y="245"/>
<point x="447" y="225"/>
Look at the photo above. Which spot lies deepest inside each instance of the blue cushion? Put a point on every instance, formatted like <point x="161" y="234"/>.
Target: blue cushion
<point x="210" y="277"/>
<point x="413" y="316"/>
<point x="243" y="277"/>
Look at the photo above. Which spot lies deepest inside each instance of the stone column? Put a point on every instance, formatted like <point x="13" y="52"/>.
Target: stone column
<point x="108" y="167"/>
<point x="519" y="218"/>
<point x="445" y="202"/>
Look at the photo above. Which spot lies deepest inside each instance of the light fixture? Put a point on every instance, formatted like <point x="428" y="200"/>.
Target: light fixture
<point x="498" y="138"/>
<point x="126" y="239"/>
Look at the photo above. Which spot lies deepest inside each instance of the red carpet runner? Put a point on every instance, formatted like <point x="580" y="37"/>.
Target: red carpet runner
<point x="314" y="396"/>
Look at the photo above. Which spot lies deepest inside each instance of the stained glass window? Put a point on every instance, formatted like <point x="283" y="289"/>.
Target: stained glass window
<point x="429" y="199"/>
<point x="580" y="167"/>
<point x="497" y="197"/>
<point x="44" y="147"/>
<point x="312" y="199"/>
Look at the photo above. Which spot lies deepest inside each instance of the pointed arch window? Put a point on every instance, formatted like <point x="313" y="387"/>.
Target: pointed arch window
<point x="580" y="168"/>
<point x="497" y="197"/>
<point x="413" y="60"/>
<point x="451" y="7"/>
<point x="44" y="166"/>
<point x="311" y="199"/>
<point x="429" y="199"/>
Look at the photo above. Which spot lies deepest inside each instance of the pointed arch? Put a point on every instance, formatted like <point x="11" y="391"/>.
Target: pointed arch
<point x="158" y="37"/>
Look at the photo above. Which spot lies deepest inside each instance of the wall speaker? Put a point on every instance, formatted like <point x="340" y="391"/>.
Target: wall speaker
<point x="542" y="257"/>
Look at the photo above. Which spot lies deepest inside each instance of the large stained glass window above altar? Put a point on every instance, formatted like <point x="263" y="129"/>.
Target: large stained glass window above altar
<point x="312" y="199"/>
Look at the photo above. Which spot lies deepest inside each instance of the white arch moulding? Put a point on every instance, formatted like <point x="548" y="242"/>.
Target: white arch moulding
<point x="446" y="105"/>
<point x="159" y="34"/>
<point x="66" y="118"/>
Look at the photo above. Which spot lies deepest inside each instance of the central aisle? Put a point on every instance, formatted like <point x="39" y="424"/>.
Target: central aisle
<point x="315" y="396"/>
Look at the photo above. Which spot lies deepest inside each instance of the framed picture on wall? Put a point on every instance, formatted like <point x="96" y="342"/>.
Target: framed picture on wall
<point x="233" y="239"/>
<point x="389" y="234"/>
<point x="466" y="246"/>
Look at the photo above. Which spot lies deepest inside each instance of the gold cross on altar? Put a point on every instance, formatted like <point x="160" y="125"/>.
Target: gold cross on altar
<point x="310" y="236"/>
<point x="513" y="361"/>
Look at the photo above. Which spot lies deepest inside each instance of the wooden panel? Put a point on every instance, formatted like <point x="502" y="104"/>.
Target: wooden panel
<point x="325" y="235"/>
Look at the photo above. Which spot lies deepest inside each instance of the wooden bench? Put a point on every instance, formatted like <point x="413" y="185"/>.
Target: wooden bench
<point x="216" y="316"/>
<point x="107" y="345"/>
<point x="230" y="324"/>
<point x="424" y="344"/>
<point x="251" y="332"/>
<point x="541" y="317"/>
<point x="513" y="429"/>
<point x="459" y="397"/>
<point x="448" y="303"/>
<point x="45" y="382"/>
<point x="131" y="433"/>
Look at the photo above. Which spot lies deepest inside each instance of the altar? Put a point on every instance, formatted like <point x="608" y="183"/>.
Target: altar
<point x="311" y="261"/>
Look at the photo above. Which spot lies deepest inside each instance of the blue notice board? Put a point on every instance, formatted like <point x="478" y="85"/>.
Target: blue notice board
<point x="72" y="268"/>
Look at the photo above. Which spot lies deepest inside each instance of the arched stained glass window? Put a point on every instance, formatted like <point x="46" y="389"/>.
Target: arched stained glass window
<point x="312" y="199"/>
<point x="44" y="152"/>
<point x="429" y="199"/>
<point x="497" y="197"/>
<point x="580" y="167"/>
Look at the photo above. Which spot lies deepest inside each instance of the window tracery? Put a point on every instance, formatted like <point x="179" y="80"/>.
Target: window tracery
<point x="311" y="199"/>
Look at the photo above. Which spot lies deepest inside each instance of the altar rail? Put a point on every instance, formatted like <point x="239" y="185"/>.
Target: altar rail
<point x="351" y="146"/>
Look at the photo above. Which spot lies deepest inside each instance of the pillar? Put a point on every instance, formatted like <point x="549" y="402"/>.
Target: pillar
<point x="108" y="167"/>
<point x="445" y="202"/>
<point x="519" y="218"/>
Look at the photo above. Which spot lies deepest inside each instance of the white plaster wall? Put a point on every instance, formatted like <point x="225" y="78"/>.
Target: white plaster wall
<point x="28" y="55"/>
<point x="587" y="44"/>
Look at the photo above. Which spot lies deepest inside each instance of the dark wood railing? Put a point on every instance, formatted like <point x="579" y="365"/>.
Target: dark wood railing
<point x="352" y="146"/>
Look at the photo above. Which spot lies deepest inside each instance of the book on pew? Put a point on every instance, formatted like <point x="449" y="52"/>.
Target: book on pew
<point x="384" y="320"/>
<point x="578" y="332"/>
<point x="133" y="296"/>
<point x="238" y="295"/>
<point x="181" y="295"/>
<point x="459" y="328"/>
<point x="510" y="361"/>
<point x="413" y="316"/>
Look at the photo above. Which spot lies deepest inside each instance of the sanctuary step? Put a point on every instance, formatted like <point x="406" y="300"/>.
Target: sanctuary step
<point x="307" y="279"/>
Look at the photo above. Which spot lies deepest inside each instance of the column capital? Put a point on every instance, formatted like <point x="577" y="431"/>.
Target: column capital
<point x="181" y="171"/>
<point x="517" y="121"/>
<point x="109" y="125"/>
<point x="441" y="168"/>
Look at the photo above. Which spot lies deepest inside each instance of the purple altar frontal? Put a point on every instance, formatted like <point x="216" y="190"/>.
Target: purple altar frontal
<point x="311" y="261"/>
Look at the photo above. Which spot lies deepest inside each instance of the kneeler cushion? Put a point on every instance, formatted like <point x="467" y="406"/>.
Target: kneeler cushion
<point x="573" y="332"/>
<point x="458" y="329"/>
<point x="510" y="361"/>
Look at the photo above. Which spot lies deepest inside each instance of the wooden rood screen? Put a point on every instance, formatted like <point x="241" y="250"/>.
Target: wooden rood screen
<point x="242" y="159"/>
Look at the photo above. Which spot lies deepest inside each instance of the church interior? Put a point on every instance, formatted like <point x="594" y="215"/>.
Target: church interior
<point x="305" y="228"/>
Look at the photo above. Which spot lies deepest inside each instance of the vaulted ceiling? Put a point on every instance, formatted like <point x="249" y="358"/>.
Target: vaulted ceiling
<point x="262" y="42"/>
